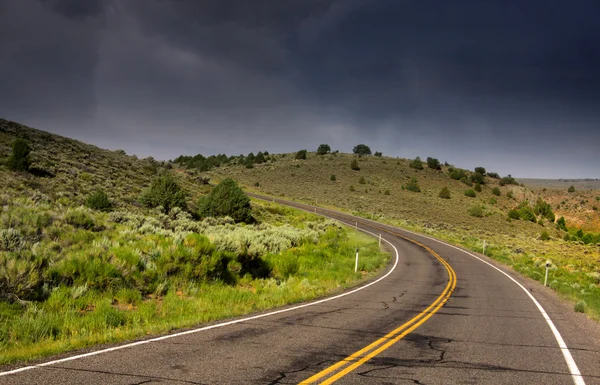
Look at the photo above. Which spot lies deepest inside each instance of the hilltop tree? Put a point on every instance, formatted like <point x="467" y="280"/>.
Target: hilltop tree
<point x="164" y="192"/>
<point x="19" y="159"/>
<point x="361" y="149"/>
<point x="260" y="158"/>
<point x="480" y="170"/>
<point x="416" y="163"/>
<point x="378" y="154"/>
<point x="433" y="163"/>
<point x="323" y="149"/>
<point x="226" y="199"/>
<point x="301" y="155"/>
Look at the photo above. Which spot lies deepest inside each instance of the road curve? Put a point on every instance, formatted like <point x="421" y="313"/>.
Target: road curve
<point x="403" y="329"/>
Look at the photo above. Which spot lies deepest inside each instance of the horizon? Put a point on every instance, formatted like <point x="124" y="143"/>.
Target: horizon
<point x="510" y="86"/>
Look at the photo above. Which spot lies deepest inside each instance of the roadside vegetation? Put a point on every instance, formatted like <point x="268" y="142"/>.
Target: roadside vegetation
<point x="97" y="246"/>
<point x="522" y="227"/>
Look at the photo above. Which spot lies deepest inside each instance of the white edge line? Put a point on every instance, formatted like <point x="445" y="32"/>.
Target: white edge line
<point x="130" y="345"/>
<point x="573" y="369"/>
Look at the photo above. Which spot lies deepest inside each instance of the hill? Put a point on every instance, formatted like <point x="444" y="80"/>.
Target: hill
<point x="97" y="246"/>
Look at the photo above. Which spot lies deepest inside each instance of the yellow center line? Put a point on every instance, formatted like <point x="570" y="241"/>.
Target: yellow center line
<point x="357" y="358"/>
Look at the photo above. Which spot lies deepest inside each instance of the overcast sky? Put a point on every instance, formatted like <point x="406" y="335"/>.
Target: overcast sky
<point x="513" y="86"/>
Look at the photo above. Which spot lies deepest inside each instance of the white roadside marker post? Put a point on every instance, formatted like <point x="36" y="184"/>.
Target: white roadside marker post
<point x="484" y="247"/>
<point x="547" y="268"/>
<point x="356" y="225"/>
<point x="356" y="263"/>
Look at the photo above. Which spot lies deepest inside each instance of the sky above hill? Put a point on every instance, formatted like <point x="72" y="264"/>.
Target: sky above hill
<point x="513" y="86"/>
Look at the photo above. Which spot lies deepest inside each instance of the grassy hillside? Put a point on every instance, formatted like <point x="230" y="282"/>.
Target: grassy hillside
<point x="379" y="190"/>
<point x="72" y="276"/>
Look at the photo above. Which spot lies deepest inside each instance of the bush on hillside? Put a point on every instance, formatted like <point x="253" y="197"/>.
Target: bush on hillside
<point x="323" y="149"/>
<point x="301" y="155"/>
<point x="362" y="180"/>
<point x="480" y="170"/>
<point x="164" y="192"/>
<point x="378" y="154"/>
<point x="496" y="191"/>
<point x="354" y="165"/>
<point x="527" y="214"/>
<point x="477" y="187"/>
<point x="433" y="163"/>
<point x="444" y="193"/>
<point x="494" y="175"/>
<point x="514" y="214"/>
<point x="457" y="173"/>
<point x="19" y="159"/>
<point x="466" y="181"/>
<point x="259" y="158"/>
<point x="477" y="178"/>
<point x="544" y="236"/>
<point x="561" y="224"/>
<point x="416" y="163"/>
<point x="226" y="199"/>
<point x="470" y="193"/>
<point x="332" y="177"/>
<point x="508" y="180"/>
<point x="79" y="218"/>
<point x="543" y="208"/>
<point x="413" y="185"/>
<point x="98" y="200"/>
<point x="571" y="189"/>
<point x="361" y="149"/>
<point x="476" y="211"/>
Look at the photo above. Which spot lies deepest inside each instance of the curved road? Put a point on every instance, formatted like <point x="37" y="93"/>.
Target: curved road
<point x="441" y="316"/>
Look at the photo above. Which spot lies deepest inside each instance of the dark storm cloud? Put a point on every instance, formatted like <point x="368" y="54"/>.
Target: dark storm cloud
<point x="506" y="84"/>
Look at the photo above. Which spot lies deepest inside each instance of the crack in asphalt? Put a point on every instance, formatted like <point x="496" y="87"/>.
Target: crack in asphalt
<point x="283" y="375"/>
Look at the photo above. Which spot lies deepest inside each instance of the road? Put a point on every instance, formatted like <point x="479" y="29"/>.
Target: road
<point x="439" y="316"/>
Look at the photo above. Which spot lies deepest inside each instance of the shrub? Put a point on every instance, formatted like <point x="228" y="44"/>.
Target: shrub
<point x="79" y="218"/>
<point x="571" y="189"/>
<point x="362" y="180"/>
<point x="11" y="240"/>
<point x="301" y="155"/>
<point x="514" y="214"/>
<point x="477" y="187"/>
<point x="98" y="200"/>
<point x="361" y="149"/>
<point x="508" y="180"/>
<point x="354" y="165"/>
<point x="476" y="211"/>
<point x="413" y="185"/>
<point x="509" y="194"/>
<point x="544" y="236"/>
<point x="433" y="164"/>
<point x="332" y="177"/>
<point x="378" y="153"/>
<point x="477" y="178"/>
<point x="493" y="201"/>
<point x="416" y="163"/>
<point x="21" y="275"/>
<point x="470" y="193"/>
<point x="226" y="199"/>
<point x="580" y="307"/>
<point x="323" y="149"/>
<point x="352" y="188"/>
<point x="444" y="193"/>
<point x="386" y="192"/>
<point x="527" y="214"/>
<point x="19" y="159"/>
<point x="480" y="170"/>
<point x="457" y="173"/>
<point x="164" y="192"/>
<point x="543" y="208"/>
<point x="494" y="175"/>
<point x="496" y="191"/>
<point x="466" y="181"/>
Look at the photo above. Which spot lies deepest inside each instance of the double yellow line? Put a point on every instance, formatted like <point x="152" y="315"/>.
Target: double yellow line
<point x="358" y="358"/>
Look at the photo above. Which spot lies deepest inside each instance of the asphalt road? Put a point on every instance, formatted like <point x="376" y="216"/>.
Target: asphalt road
<point x="489" y="331"/>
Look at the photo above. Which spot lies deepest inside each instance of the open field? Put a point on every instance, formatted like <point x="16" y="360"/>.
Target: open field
<point x="561" y="184"/>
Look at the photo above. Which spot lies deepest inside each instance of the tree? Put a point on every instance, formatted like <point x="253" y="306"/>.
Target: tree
<point x="378" y="153"/>
<point x="165" y="192"/>
<point x="480" y="170"/>
<point x="19" y="159"/>
<point x="226" y="199"/>
<point x="98" y="200"/>
<point x="260" y="158"/>
<point x="571" y="189"/>
<point x="354" y="165"/>
<point x="323" y="149"/>
<point x="444" y="193"/>
<point x="494" y="175"/>
<point x="433" y="164"/>
<point x="496" y="191"/>
<point x="301" y="154"/>
<point x="477" y="178"/>
<point x="416" y="163"/>
<point x="561" y="224"/>
<point x="361" y="149"/>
